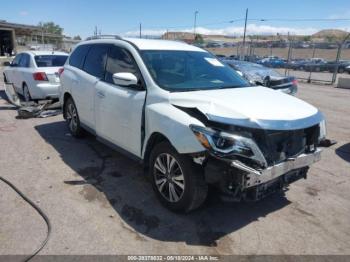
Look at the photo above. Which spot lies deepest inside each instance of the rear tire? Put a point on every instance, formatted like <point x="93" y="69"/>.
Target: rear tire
<point x="178" y="183"/>
<point x="341" y="70"/>
<point x="26" y="93"/>
<point x="5" y="79"/>
<point x="72" y="118"/>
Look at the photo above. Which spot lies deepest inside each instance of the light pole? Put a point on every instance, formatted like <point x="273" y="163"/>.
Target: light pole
<point x="140" y="30"/>
<point x="195" y="24"/>
<point x="245" y="30"/>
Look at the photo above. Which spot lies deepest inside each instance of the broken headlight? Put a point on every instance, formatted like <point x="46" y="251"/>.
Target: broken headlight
<point x="224" y="144"/>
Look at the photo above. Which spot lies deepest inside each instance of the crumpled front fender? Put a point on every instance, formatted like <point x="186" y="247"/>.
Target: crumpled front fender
<point x="174" y="125"/>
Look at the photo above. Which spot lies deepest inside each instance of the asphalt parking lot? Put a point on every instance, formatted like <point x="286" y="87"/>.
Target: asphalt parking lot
<point x="100" y="202"/>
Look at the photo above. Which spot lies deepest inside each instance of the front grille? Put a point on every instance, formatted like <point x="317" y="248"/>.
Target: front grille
<point x="278" y="145"/>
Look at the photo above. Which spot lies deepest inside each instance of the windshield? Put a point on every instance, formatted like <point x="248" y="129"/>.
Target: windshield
<point x="50" y="60"/>
<point x="178" y="71"/>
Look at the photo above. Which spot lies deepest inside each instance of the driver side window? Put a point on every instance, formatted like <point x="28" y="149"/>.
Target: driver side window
<point x="120" y="61"/>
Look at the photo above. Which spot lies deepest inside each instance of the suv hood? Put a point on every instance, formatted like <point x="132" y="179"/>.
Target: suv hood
<point x="255" y="107"/>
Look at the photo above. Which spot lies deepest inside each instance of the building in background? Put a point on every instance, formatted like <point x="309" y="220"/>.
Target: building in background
<point x="17" y="37"/>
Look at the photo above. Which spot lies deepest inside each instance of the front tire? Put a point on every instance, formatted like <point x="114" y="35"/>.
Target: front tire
<point x="178" y="183"/>
<point x="72" y="118"/>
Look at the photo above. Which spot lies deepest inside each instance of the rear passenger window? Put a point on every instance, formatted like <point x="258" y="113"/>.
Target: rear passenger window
<point x="120" y="61"/>
<point x="95" y="61"/>
<point x="24" y="62"/>
<point x="77" y="57"/>
<point x="15" y="61"/>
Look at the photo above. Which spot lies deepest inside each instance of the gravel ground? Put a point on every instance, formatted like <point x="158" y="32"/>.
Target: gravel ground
<point x="99" y="201"/>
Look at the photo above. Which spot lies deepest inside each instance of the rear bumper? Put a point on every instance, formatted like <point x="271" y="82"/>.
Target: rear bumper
<point x="45" y="91"/>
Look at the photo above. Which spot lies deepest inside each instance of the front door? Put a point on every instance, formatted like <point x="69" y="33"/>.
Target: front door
<point x="118" y="109"/>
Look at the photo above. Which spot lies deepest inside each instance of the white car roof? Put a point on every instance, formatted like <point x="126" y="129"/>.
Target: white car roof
<point x="157" y="44"/>
<point x="149" y="44"/>
<point x="45" y="53"/>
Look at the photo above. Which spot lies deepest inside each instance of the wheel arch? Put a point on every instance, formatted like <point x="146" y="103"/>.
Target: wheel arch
<point x="154" y="139"/>
<point x="65" y="98"/>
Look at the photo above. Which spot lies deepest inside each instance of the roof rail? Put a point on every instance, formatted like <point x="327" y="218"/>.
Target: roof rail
<point x="104" y="37"/>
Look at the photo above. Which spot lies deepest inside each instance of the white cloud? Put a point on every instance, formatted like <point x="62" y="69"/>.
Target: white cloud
<point x="23" y="13"/>
<point x="233" y="30"/>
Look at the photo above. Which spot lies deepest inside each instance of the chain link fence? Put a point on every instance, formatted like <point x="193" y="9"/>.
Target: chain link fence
<point x="311" y="61"/>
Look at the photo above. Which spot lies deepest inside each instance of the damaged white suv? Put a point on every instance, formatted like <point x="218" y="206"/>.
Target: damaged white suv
<point x="190" y="119"/>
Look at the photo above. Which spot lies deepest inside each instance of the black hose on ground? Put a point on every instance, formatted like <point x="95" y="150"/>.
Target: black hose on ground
<point x="41" y="213"/>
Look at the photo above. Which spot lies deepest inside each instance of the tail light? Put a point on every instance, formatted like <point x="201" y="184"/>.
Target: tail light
<point x="295" y="82"/>
<point x="60" y="71"/>
<point x="40" y="76"/>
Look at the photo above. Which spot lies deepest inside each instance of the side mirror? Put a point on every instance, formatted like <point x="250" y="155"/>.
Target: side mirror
<point x="125" y="79"/>
<point x="6" y="63"/>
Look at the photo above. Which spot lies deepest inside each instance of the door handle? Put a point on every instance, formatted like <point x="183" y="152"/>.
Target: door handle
<point x="100" y="94"/>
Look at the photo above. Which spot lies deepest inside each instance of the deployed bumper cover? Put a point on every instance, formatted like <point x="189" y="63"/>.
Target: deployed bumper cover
<point x="255" y="177"/>
<point x="238" y="181"/>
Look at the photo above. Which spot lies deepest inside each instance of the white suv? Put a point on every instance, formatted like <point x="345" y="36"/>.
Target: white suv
<point x="189" y="118"/>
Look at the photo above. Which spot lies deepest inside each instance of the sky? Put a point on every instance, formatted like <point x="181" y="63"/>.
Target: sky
<point x="79" y="17"/>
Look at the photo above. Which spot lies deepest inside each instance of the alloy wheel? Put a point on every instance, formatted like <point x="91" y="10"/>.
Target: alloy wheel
<point x="168" y="177"/>
<point x="72" y="117"/>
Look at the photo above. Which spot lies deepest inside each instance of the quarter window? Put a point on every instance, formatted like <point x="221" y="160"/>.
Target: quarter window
<point x="120" y="61"/>
<point x="16" y="60"/>
<point x="24" y="62"/>
<point x="95" y="61"/>
<point x="78" y="56"/>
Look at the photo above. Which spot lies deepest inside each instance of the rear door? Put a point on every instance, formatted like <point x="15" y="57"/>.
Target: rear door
<point x="73" y="80"/>
<point x="118" y="109"/>
<point x="11" y="74"/>
<point x="92" y="72"/>
<point x="24" y="73"/>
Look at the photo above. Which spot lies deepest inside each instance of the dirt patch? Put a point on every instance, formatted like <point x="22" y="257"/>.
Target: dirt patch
<point x="312" y="191"/>
<point x="90" y="193"/>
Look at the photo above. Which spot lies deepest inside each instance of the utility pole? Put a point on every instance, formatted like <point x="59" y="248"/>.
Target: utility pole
<point x="42" y="35"/>
<point x="245" y="30"/>
<point x="195" y="24"/>
<point x="140" y="30"/>
<point x="334" y="78"/>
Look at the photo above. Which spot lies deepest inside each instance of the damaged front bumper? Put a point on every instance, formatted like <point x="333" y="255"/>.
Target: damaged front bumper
<point x="238" y="181"/>
<point x="255" y="177"/>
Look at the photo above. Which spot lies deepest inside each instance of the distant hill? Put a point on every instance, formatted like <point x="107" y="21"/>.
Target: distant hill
<point x="327" y="35"/>
<point x="330" y="33"/>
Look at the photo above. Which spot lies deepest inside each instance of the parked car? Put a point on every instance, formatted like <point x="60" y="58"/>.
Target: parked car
<point x="190" y="119"/>
<point x="332" y="65"/>
<point x="260" y="75"/>
<point x="315" y="65"/>
<point x="220" y="56"/>
<point x="347" y="69"/>
<point x="272" y="62"/>
<point x="297" y="64"/>
<point x="34" y="74"/>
